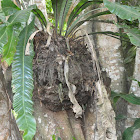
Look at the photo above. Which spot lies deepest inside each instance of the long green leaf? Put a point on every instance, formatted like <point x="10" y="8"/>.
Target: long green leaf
<point x="128" y="133"/>
<point x="9" y="49"/>
<point x="21" y="16"/>
<point x="134" y="34"/>
<point x="8" y="7"/>
<point x="64" y="10"/>
<point x="3" y="36"/>
<point x="22" y="84"/>
<point x="56" y="4"/>
<point x="40" y="16"/>
<point x="123" y="11"/>
<point x="83" y="4"/>
<point x="131" y="98"/>
<point x="108" y="33"/>
<point x="78" y="23"/>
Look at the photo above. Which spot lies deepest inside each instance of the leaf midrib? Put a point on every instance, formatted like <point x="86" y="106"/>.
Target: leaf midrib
<point x="23" y="84"/>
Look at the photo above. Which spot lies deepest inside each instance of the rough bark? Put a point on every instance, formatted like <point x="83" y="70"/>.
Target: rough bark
<point x="100" y="117"/>
<point x="61" y="124"/>
<point x="4" y="111"/>
<point x="111" y="60"/>
<point x="8" y="127"/>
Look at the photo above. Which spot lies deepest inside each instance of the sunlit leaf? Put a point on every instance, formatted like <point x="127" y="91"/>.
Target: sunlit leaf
<point x="53" y="137"/>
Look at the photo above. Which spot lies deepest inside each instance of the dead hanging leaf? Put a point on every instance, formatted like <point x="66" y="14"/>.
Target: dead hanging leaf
<point x="27" y="50"/>
<point x="48" y="30"/>
<point x="48" y="41"/>
<point x="72" y="90"/>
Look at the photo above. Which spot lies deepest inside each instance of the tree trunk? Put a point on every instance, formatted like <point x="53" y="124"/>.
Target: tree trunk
<point x="8" y="127"/>
<point x="111" y="60"/>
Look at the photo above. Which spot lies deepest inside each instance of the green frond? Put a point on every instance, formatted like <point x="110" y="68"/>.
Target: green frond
<point x="82" y="5"/>
<point x="2" y="17"/>
<point x="9" y="48"/>
<point x="123" y="11"/>
<point x="133" y="34"/>
<point x="78" y="22"/>
<point x="56" y="5"/>
<point x="63" y="12"/>
<point x="8" y="7"/>
<point x="40" y="16"/>
<point x="22" y="84"/>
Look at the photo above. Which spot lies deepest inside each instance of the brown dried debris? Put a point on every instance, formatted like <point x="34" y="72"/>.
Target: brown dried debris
<point x="49" y="71"/>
